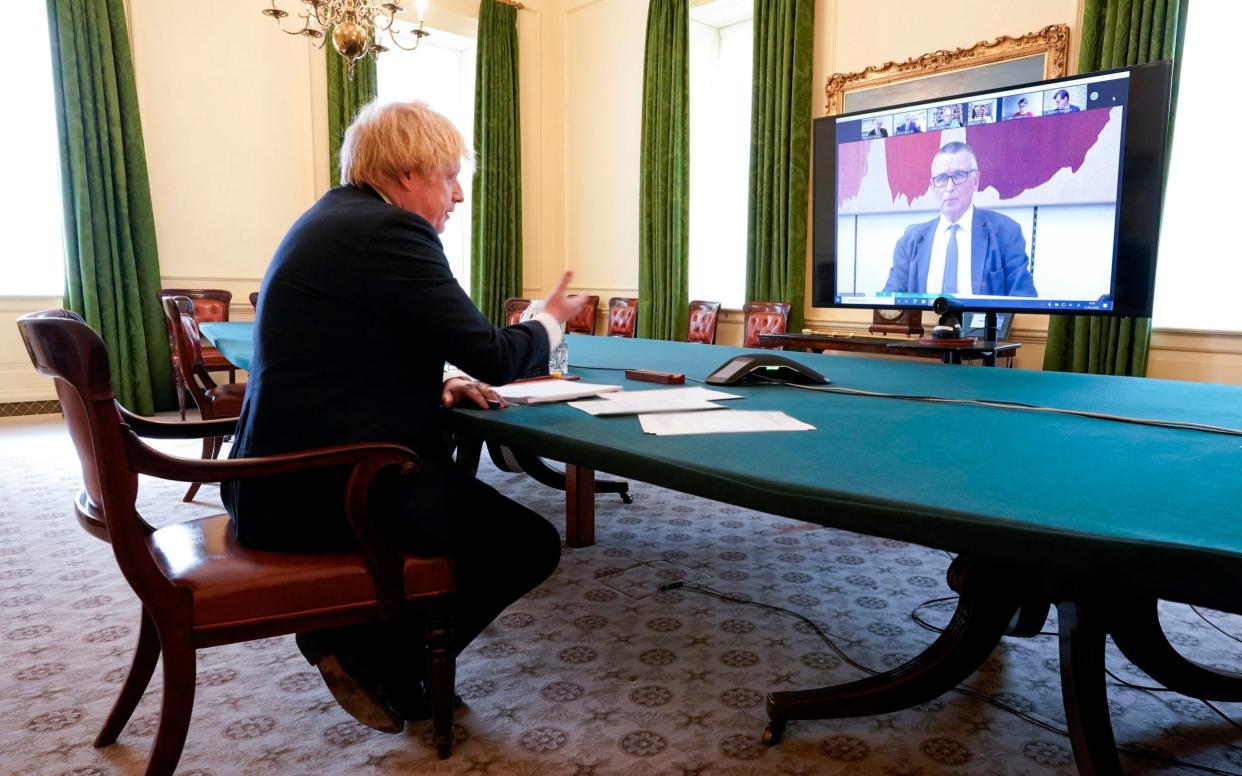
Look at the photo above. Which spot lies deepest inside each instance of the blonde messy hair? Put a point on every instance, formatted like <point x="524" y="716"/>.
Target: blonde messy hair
<point x="388" y="139"/>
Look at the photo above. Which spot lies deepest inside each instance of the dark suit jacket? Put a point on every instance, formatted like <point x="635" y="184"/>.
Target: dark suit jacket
<point x="998" y="257"/>
<point x="357" y="314"/>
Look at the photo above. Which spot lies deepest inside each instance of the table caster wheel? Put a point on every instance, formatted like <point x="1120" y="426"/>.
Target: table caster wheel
<point x="626" y="498"/>
<point x="774" y="732"/>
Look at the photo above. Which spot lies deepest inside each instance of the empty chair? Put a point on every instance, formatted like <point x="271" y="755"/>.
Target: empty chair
<point x="701" y="326"/>
<point x="198" y="587"/>
<point x="514" y="307"/>
<point x="622" y="316"/>
<point x="764" y="318"/>
<point x="213" y="401"/>
<point x="254" y="299"/>
<point x="210" y="304"/>
<point x="584" y="321"/>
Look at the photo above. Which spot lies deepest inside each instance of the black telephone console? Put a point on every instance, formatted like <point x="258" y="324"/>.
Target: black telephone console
<point x="758" y="369"/>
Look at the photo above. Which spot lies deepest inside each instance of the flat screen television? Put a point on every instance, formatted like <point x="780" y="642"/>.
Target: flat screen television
<point x="1042" y="197"/>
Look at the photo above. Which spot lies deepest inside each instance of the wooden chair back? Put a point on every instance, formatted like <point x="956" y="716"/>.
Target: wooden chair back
<point x="584" y="322"/>
<point x="622" y="316"/>
<point x="514" y="307"/>
<point x="764" y="318"/>
<point x="254" y="299"/>
<point x="187" y="343"/>
<point x="210" y="304"/>
<point x="701" y="325"/>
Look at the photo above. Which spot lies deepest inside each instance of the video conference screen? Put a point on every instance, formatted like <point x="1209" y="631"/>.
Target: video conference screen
<point x="1006" y="200"/>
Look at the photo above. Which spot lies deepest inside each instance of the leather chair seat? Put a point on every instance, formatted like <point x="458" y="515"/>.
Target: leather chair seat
<point x="226" y="399"/>
<point x="231" y="583"/>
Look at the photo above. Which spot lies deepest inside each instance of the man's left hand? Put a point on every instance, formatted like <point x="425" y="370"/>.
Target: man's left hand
<point x="460" y="389"/>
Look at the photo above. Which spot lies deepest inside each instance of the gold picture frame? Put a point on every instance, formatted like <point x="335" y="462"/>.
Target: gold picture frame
<point x="987" y="64"/>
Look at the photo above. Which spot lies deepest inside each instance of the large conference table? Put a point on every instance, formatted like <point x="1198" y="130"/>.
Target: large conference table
<point x="1100" y="518"/>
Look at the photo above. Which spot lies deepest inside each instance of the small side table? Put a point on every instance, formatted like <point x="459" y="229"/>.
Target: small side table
<point x="949" y="354"/>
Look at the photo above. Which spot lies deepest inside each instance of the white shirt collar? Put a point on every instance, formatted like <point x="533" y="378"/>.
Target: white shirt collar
<point x="966" y="221"/>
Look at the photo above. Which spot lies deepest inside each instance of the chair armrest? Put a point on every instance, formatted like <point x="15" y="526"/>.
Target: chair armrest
<point x="367" y="459"/>
<point x="158" y="429"/>
<point x="147" y="460"/>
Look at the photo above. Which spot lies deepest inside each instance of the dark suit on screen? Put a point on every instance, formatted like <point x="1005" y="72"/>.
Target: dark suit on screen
<point x="998" y="257"/>
<point x="358" y="313"/>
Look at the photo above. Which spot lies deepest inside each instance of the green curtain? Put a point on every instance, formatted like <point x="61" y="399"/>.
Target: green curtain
<point x="780" y="146"/>
<point x="664" y="174"/>
<point x="112" y="271"/>
<point x="1116" y="33"/>
<point x="496" y="202"/>
<point x="345" y="97"/>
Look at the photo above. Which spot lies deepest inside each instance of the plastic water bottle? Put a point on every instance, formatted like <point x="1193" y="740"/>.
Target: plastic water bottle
<point x="558" y="359"/>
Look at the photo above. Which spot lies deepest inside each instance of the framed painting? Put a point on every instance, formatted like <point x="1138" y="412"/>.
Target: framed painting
<point x="1007" y="60"/>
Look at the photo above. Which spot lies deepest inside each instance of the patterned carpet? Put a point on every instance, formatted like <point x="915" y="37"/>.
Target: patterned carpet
<point x="579" y="678"/>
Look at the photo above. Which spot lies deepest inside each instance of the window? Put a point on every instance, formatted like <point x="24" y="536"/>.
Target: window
<point x="441" y="73"/>
<point x="32" y="249"/>
<point x="1198" y="257"/>
<point x="721" y="56"/>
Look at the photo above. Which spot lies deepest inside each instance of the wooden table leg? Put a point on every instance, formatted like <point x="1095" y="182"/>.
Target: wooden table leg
<point x="1083" y="690"/>
<point x="579" y="505"/>
<point x="981" y="619"/>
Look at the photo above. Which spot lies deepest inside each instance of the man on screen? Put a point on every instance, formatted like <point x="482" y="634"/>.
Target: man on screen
<point x="1061" y="101"/>
<point x="966" y="250"/>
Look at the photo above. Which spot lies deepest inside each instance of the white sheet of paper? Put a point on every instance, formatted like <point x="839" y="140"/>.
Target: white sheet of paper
<point x="659" y="400"/>
<point x="631" y="404"/>
<point x="726" y="422"/>
<point x="541" y="391"/>
<point x="690" y="392"/>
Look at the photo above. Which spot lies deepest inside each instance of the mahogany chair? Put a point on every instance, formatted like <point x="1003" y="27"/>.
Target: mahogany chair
<point x="210" y="304"/>
<point x="622" y="316"/>
<point x="254" y="299"/>
<point x="764" y="318"/>
<point x="514" y="307"/>
<point x="198" y="587"/>
<point x="213" y="401"/>
<point x="584" y="323"/>
<point x="701" y="326"/>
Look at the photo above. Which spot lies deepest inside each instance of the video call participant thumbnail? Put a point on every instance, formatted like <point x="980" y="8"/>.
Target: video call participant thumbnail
<point x="965" y="250"/>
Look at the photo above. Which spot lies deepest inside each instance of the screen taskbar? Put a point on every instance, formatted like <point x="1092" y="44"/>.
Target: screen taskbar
<point x="973" y="302"/>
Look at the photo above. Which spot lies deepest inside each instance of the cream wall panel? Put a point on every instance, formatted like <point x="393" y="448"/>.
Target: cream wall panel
<point x="603" y="44"/>
<point x="228" y="114"/>
<point x="866" y="36"/>
<point x="18" y="379"/>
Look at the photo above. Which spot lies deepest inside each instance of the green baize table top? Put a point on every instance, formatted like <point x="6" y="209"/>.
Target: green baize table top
<point x="1119" y="504"/>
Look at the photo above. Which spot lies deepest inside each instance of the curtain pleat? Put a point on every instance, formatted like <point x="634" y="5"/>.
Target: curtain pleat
<point x="496" y="202"/>
<point x="112" y="273"/>
<point x="345" y="97"/>
<point x="780" y="154"/>
<point x="664" y="174"/>
<point x="1116" y="33"/>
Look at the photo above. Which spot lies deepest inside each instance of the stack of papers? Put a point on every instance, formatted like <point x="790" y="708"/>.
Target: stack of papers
<point x="541" y="391"/>
<point x="726" y="422"/>
<point x="661" y="400"/>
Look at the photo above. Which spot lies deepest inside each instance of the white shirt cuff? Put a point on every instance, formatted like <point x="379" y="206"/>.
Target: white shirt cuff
<point x="553" y="328"/>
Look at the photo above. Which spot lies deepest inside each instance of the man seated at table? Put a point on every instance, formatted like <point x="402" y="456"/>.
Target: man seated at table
<point x="964" y="250"/>
<point x="360" y="313"/>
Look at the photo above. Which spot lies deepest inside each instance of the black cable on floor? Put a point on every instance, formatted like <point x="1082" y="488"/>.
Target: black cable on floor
<point x="967" y="691"/>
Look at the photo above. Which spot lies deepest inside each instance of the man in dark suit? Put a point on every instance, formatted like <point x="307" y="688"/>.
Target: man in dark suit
<point x="909" y="126"/>
<point x="358" y="313"/>
<point x="966" y="250"/>
<point x="877" y="129"/>
<point x="1061" y="103"/>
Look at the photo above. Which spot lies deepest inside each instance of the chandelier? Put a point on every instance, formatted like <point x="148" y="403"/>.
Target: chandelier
<point x="355" y="26"/>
